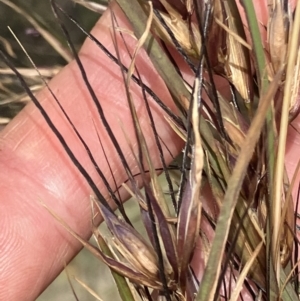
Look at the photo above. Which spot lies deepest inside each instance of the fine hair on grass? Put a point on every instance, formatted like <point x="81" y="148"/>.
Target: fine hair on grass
<point x="224" y="226"/>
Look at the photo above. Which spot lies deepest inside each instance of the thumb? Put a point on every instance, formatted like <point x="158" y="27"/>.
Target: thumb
<point x="35" y="167"/>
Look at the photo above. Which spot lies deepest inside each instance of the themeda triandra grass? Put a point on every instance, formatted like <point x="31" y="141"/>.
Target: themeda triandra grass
<point x="235" y="84"/>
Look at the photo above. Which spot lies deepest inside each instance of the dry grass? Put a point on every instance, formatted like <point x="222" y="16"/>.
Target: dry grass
<point x="234" y="144"/>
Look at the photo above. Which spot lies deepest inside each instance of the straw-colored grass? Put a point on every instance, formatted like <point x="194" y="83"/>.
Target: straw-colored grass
<point x="234" y="146"/>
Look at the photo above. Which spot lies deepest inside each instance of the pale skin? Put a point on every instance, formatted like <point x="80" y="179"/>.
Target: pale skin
<point x="35" y="168"/>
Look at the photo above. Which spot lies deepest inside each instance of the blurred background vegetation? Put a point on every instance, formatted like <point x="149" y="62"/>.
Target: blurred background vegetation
<point x="12" y="96"/>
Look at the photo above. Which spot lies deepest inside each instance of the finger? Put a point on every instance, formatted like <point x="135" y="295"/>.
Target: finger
<point x="34" y="166"/>
<point x="292" y="153"/>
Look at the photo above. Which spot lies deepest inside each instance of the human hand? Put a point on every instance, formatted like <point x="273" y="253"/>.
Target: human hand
<point x="34" y="166"/>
